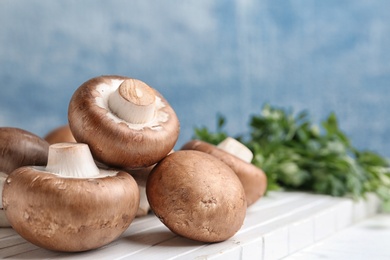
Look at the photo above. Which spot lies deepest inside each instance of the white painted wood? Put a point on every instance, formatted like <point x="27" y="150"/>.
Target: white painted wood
<point x="368" y="239"/>
<point x="279" y="225"/>
<point x="344" y="214"/>
<point x="365" y="208"/>
<point x="253" y="249"/>
<point x="324" y="224"/>
<point x="301" y="234"/>
<point x="276" y="243"/>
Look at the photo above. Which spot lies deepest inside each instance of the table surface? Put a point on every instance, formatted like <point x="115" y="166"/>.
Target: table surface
<point x="369" y="239"/>
<point x="282" y="224"/>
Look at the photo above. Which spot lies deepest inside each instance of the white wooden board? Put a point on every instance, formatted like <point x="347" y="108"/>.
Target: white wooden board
<point x="369" y="239"/>
<point x="277" y="226"/>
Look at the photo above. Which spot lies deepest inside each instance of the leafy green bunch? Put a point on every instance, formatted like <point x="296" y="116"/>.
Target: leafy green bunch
<point x="300" y="155"/>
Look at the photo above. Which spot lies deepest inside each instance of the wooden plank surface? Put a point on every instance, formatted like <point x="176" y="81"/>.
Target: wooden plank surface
<point x="276" y="226"/>
<point x="369" y="239"/>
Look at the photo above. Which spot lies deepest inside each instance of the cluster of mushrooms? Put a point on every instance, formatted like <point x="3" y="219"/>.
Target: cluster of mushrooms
<point x="80" y="187"/>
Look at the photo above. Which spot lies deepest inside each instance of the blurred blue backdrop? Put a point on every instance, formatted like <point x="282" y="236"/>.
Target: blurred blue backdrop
<point x="205" y="57"/>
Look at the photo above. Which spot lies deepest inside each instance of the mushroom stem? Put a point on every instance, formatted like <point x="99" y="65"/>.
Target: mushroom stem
<point x="144" y="206"/>
<point x="3" y="219"/>
<point x="133" y="101"/>
<point x="71" y="160"/>
<point x="3" y="177"/>
<point x="236" y="148"/>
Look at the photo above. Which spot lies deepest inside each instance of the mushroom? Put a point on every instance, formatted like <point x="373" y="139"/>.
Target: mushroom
<point x="126" y="123"/>
<point x="197" y="196"/>
<point x="238" y="157"/>
<point x="70" y="205"/>
<point x="141" y="176"/>
<point x="18" y="148"/>
<point x="61" y="134"/>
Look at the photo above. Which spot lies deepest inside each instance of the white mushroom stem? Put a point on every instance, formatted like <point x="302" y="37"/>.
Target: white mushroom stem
<point x="71" y="160"/>
<point x="3" y="177"/>
<point x="144" y="206"/>
<point x="3" y="219"/>
<point x="133" y="101"/>
<point x="236" y="148"/>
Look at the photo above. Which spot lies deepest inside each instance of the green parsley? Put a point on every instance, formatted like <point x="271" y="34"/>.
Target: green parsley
<point x="297" y="154"/>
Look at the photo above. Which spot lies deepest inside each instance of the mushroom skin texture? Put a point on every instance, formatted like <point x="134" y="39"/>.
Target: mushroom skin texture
<point x="253" y="179"/>
<point x="113" y="140"/>
<point x="70" y="214"/>
<point x="19" y="147"/>
<point x="60" y="134"/>
<point x="141" y="176"/>
<point x="197" y="196"/>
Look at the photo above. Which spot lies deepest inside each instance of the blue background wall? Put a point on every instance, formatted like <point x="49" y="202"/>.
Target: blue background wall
<point x="205" y="57"/>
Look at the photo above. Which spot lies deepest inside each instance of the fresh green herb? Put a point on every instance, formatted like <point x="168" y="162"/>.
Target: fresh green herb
<point x="298" y="154"/>
<point x="204" y="133"/>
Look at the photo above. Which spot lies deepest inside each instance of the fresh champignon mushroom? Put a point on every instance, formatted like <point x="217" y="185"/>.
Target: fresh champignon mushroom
<point x="141" y="176"/>
<point x="18" y="148"/>
<point x="238" y="157"/>
<point x="61" y="134"/>
<point x="236" y="148"/>
<point x="126" y="123"/>
<point x="197" y="196"/>
<point x="70" y="205"/>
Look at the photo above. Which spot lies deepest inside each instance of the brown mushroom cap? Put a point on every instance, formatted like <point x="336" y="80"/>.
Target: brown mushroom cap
<point x="197" y="196"/>
<point x="112" y="140"/>
<point x="19" y="147"/>
<point x="252" y="178"/>
<point x="61" y="134"/>
<point x="69" y="214"/>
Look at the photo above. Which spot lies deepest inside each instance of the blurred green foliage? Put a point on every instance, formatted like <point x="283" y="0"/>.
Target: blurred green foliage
<point x="297" y="154"/>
